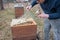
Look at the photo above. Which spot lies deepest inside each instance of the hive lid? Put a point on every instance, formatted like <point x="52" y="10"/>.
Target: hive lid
<point x="18" y="5"/>
<point x="27" y="0"/>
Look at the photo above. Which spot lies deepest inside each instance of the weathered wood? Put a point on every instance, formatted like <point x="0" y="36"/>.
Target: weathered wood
<point x="24" y="31"/>
<point x="19" y="11"/>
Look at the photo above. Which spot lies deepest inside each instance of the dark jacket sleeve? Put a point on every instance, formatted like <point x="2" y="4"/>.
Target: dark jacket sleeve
<point x="34" y="2"/>
<point x="55" y="15"/>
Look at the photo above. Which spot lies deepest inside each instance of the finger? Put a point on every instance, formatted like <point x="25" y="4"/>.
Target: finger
<point x="39" y="16"/>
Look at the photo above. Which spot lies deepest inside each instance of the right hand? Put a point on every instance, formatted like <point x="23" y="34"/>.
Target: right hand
<point x="28" y="8"/>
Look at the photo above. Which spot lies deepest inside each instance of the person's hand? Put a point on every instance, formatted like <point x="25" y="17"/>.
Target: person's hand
<point x="43" y="15"/>
<point x="28" y="8"/>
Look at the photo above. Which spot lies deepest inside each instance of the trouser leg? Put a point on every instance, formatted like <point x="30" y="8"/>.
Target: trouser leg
<point x="56" y="28"/>
<point x="47" y="28"/>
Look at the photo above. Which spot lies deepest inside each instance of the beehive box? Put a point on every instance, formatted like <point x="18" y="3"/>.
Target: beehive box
<point x="25" y="31"/>
<point x="19" y="10"/>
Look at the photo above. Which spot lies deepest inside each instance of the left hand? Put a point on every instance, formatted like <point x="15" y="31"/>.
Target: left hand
<point x="43" y="15"/>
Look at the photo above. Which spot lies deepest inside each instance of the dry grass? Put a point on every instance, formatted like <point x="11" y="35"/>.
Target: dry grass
<point x="5" y="19"/>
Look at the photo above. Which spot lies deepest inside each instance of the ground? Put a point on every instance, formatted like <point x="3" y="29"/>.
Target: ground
<point x="7" y="15"/>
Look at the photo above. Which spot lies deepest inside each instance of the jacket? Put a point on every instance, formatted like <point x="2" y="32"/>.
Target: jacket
<point x="51" y="7"/>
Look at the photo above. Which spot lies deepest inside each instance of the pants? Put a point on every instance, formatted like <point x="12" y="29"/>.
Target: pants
<point x="55" y="25"/>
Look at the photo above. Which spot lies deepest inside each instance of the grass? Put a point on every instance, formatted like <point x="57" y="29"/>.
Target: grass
<point x="5" y="19"/>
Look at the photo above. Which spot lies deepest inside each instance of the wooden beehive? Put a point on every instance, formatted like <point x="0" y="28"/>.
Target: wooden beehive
<point x="19" y="11"/>
<point x="25" y="31"/>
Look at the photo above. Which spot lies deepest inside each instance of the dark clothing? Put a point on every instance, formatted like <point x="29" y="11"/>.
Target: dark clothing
<point x="51" y="7"/>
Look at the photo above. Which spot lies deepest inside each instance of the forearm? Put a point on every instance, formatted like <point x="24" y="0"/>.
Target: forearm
<point x="54" y="15"/>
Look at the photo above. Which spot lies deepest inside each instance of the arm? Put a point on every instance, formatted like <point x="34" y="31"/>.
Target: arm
<point x="55" y="15"/>
<point x="34" y="2"/>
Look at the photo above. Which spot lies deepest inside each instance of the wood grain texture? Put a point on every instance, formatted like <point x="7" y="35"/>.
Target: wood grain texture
<point x="24" y="31"/>
<point x="19" y="11"/>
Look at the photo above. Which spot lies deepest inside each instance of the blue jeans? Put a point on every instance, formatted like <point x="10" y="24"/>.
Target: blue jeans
<point x="55" y="25"/>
